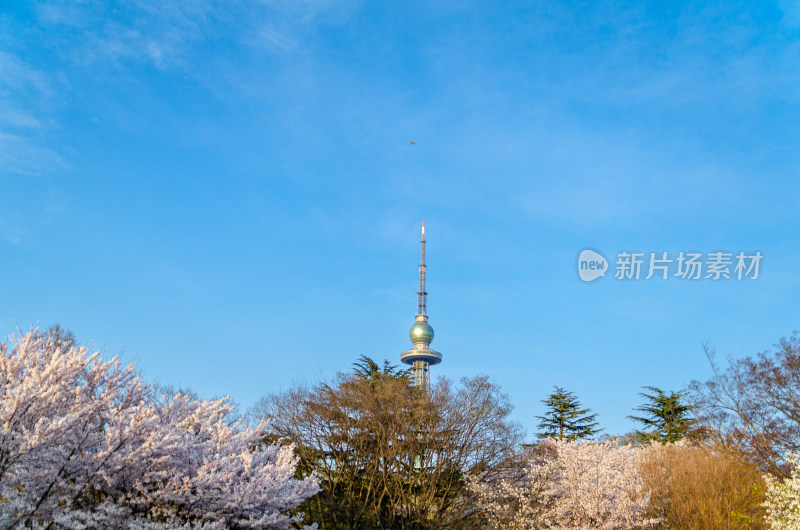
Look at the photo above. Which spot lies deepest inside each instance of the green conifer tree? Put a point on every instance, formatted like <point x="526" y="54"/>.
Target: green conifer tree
<point x="366" y="368"/>
<point x="566" y="419"/>
<point x="666" y="419"/>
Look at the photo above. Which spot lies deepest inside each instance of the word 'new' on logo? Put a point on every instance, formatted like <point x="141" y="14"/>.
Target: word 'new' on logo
<point x="591" y="265"/>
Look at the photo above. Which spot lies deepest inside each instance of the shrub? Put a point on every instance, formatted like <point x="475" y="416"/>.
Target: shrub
<point x="697" y="486"/>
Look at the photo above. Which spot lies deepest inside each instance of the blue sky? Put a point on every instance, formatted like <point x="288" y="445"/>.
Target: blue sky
<point x="225" y="192"/>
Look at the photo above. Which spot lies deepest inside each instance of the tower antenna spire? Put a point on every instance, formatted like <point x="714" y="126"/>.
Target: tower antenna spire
<point x="421" y="356"/>
<point x="422" y="296"/>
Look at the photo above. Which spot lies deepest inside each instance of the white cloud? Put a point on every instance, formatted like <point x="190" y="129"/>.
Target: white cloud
<point x="16" y="75"/>
<point x="26" y="155"/>
<point x="17" y="118"/>
<point x="270" y="38"/>
<point x="22" y="91"/>
<point x="171" y="33"/>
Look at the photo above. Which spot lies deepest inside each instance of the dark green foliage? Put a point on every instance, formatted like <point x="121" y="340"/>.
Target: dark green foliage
<point x="367" y="369"/>
<point x="565" y="418"/>
<point x="666" y="419"/>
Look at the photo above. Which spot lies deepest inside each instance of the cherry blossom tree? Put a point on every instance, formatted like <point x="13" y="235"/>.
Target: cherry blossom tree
<point x="84" y="442"/>
<point x="520" y="497"/>
<point x="579" y="485"/>
<point x="783" y="498"/>
<point x="599" y="486"/>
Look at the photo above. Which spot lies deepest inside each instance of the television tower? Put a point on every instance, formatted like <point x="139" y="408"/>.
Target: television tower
<point x="421" y="357"/>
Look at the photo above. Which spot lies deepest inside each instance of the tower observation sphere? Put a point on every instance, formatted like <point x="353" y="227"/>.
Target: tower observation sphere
<point x="421" y="332"/>
<point x="421" y="356"/>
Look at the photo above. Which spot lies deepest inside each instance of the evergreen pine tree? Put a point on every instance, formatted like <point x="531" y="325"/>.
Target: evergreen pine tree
<point x="566" y="419"/>
<point x="368" y="369"/>
<point x="667" y="418"/>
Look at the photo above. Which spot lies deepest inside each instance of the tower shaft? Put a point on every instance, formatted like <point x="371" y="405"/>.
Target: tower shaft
<point x="420" y="373"/>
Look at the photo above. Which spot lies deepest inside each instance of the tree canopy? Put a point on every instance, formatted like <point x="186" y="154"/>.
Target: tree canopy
<point x="566" y="419"/>
<point x="86" y="444"/>
<point x="753" y="405"/>
<point x="388" y="455"/>
<point x="666" y="417"/>
<point x="368" y="369"/>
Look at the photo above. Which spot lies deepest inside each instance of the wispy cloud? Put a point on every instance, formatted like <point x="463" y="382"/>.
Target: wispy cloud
<point x="86" y="37"/>
<point x="626" y="54"/>
<point x="270" y="38"/>
<point x="26" y="155"/>
<point x="17" y="118"/>
<point x="22" y="125"/>
<point x="172" y="34"/>
<point x="16" y="75"/>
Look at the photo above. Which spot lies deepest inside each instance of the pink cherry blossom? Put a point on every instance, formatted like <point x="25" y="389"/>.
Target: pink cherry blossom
<point x="84" y="442"/>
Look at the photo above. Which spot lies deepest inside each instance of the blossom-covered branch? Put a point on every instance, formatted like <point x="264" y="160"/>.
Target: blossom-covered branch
<point x="84" y="442"/>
